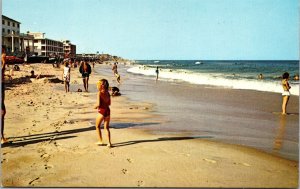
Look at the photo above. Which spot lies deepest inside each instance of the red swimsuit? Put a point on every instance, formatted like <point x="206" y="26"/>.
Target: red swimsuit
<point x="104" y="106"/>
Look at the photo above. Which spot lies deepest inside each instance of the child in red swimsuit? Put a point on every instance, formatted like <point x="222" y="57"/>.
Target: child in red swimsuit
<point x="103" y="103"/>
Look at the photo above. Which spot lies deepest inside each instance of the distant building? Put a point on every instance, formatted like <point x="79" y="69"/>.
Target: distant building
<point x="46" y="47"/>
<point x="12" y="39"/>
<point x="69" y="49"/>
<point x="32" y="42"/>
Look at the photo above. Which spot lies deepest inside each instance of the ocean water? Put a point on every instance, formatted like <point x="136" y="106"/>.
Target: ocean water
<point x="233" y="74"/>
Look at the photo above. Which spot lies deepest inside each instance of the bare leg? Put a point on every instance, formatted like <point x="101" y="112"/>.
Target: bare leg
<point x="285" y="100"/>
<point x="87" y="84"/>
<point x="106" y="127"/>
<point x="3" y="140"/>
<point x="84" y="84"/>
<point x="68" y="87"/>
<point x="99" y="120"/>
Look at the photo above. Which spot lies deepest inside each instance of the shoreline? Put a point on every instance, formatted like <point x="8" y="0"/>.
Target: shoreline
<point x="256" y="122"/>
<point x="54" y="136"/>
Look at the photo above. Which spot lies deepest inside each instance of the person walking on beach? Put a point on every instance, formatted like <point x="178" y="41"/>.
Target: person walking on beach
<point x="67" y="76"/>
<point x="157" y="72"/>
<point x="286" y="91"/>
<point x="115" y="72"/>
<point x="103" y="103"/>
<point x="3" y="109"/>
<point x="85" y="70"/>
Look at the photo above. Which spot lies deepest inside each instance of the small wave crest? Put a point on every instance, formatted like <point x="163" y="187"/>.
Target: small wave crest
<point x="215" y="79"/>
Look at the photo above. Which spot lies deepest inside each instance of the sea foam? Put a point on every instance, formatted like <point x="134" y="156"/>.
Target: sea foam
<point x="215" y="79"/>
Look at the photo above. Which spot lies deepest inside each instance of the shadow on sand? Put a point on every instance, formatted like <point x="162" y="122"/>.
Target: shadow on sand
<point x="37" y="138"/>
<point x="159" y="140"/>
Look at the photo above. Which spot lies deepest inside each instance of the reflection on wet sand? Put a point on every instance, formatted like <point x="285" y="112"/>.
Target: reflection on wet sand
<point x="278" y="141"/>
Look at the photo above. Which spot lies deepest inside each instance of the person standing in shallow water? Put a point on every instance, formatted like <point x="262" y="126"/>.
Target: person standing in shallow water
<point x="115" y="72"/>
<point x="286" y="91"/>
<point x="157" y="72"/>
<point x="103" y="103"/>
<point x="85" y="70"/>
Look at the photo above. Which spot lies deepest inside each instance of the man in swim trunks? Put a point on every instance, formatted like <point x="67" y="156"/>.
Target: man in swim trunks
<point x="85" y="70"/>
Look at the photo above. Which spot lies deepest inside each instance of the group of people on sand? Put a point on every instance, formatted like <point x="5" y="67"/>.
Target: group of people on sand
<point x="104" y="97"/>
<point x="85" y="70"/>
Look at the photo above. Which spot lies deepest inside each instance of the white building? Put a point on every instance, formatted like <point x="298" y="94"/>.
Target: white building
<point x="46" y="47"/>
<point x="12" y="39"/>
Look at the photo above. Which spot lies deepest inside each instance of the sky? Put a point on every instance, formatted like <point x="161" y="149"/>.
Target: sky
<point x="167" y="29"/>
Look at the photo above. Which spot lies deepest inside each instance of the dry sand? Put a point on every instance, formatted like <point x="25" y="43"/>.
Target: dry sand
<point x="54" y="137"/>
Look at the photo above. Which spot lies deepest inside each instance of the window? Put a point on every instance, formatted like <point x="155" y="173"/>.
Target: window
<point x="3" y="30"/>
<point x="8" y="30"/>
<point x="36" y="41"/>
<point x="18" y="25"/>
<point x="43" y="41"/>
<point x="43" y="53"/>
<point x="13" y="24"/>
<point x="3" y="22"/>
<point x="8" y="23"/>
<point x="43" y="48"/>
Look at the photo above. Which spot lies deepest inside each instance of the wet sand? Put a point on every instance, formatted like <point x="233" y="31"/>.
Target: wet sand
<point x="243" y="117"/>
<point x="53" y="135"/>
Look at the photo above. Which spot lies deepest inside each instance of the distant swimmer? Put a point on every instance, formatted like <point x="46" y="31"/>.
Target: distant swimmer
<point x="260" y="76"/>
<point x="296" y="77"/>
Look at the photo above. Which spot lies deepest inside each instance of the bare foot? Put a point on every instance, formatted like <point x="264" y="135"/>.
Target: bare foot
<point x="109" y="145"/>
<point x="4" y="140"/>
<point x="99" y="143"/>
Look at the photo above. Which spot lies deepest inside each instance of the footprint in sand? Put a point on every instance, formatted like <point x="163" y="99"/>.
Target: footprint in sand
<point x="129" y="160"/>
<point x="124" y="171"/>
<point x="140" y="183"/>
<point x="210" y="160"/>
<point x="45" y="157"/>
<point x="244" y="164"/>
<point x="31" y="182"/>
<point x="48" y="166"/>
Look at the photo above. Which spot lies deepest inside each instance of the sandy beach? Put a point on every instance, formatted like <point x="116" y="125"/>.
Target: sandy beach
<point x="53" y="135"/>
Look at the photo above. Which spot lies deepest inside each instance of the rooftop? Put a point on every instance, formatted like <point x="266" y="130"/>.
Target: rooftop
<point x="7" y="18"/>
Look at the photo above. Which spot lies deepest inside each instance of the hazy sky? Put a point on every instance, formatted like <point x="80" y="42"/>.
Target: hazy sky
<point x="167" y="29"/>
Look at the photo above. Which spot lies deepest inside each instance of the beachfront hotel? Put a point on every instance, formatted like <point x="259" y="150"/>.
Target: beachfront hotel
<point x="12" y="40"/>
<point x="69" y="49"/>
<point x="17" y="43"/>
<point x="46" y="47"/>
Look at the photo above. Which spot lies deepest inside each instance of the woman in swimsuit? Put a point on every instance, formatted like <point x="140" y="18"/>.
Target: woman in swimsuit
<point x="103" y="103"/>
<point x="66" y="76"/>
<point x="286" y="91"/>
